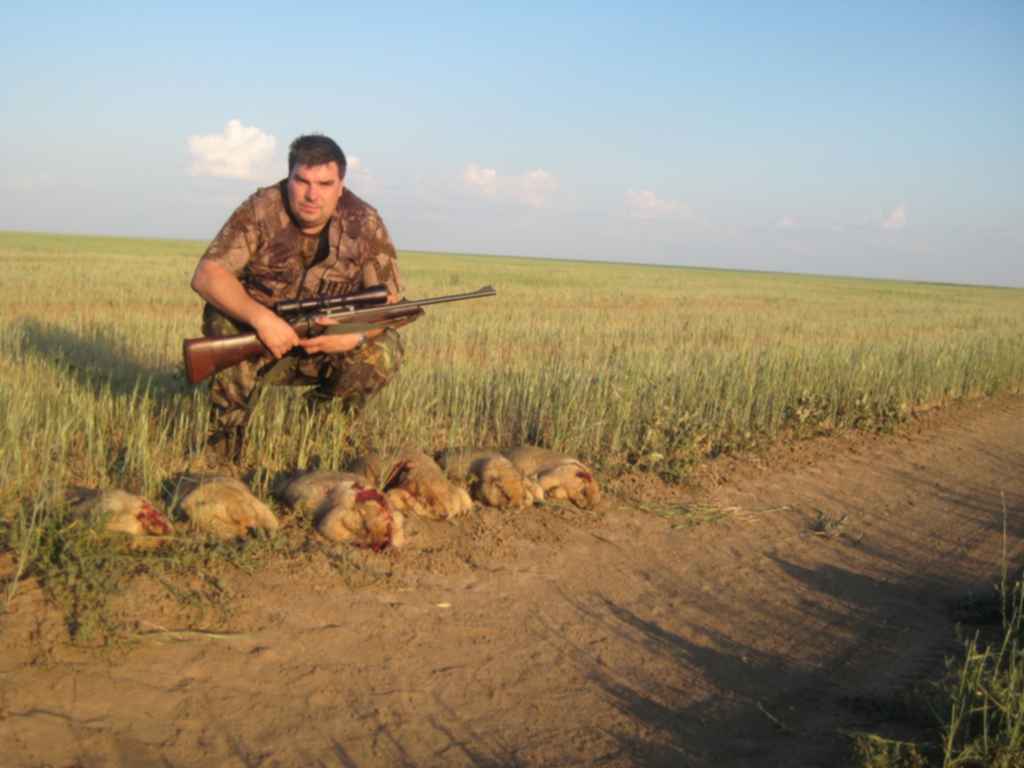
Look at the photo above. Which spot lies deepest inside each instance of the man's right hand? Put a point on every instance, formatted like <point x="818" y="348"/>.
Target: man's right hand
<point x="276" y="334"/>
<point x="221" y="288"/>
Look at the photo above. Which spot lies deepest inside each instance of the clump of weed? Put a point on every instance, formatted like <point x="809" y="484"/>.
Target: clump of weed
<point x="81" y="567"/>
<point x="985" y="725"/>
<point x="876" y="752"/>
<point x="826" y="524"/>
<point x="979" y="712"/>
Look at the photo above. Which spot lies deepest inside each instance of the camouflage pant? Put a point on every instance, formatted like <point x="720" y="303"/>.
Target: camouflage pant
<point x="349" y="377"/>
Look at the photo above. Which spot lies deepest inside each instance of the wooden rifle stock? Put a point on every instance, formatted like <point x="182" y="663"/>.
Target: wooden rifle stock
<point x="206" y="356"/>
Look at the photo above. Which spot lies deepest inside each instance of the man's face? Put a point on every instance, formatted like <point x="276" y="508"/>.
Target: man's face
<point x="313" y="193"/>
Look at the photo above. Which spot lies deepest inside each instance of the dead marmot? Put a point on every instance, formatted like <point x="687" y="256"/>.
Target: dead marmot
<point x="309" y="493"/>
<point x="226" y="508"/>
<point x="492" y="479"/>
<point x="560" y="476"/>
<point x="123" y="512"/>
<point x="346" y="510"/>
<point x="417" y="485"/>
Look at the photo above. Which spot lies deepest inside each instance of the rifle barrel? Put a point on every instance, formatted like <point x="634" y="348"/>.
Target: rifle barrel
<point x="480" y="293"/>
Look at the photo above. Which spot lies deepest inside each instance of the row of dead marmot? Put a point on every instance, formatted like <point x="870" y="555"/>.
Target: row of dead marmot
<point x="367" y="505"/>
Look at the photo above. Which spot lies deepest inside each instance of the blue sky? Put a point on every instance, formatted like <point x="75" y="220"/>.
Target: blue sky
<point x="873" y="140"/>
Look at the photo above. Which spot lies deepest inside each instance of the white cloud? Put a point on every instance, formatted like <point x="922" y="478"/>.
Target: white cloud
<point x="485" y="180"/>
<point x="355" y="169"/>
<point x="644" y="204"/>
<point x="241" y="152"/>
<point x="787" y="222"/>
<point x="533" y="188"/>
<point x="536" y="187"/>
<point x="897" y="219"/>
<point x="359" y="178"/>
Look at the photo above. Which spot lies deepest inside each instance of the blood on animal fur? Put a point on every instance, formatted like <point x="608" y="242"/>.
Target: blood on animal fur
<point x="371" y="494"/>
<point x="584" y="476"/>
<point x="153" y="521"/>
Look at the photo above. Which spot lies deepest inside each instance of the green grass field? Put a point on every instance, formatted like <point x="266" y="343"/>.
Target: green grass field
<point x="623" y="365"/>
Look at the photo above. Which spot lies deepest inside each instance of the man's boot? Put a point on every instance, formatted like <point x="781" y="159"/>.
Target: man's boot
<point x="224" y="445"/>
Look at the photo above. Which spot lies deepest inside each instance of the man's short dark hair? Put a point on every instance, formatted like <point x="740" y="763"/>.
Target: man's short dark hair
<point x="316" y="149"/>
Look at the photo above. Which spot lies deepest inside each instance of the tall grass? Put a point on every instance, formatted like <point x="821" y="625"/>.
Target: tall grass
<point x="619" y="364"/>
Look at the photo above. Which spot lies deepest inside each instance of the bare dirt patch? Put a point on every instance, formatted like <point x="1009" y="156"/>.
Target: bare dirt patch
<point x="748" y="619"/>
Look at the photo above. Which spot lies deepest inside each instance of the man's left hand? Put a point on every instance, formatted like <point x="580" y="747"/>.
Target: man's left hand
<point x="336" y="343"/>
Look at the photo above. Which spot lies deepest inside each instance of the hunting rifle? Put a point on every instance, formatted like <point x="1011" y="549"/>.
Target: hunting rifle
<point x="352" y="313"/>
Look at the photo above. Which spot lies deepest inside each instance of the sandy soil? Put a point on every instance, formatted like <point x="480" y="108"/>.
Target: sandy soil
<point x="747" y="622"/>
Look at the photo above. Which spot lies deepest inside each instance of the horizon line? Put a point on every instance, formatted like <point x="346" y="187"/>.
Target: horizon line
<point x="739" y="270"/>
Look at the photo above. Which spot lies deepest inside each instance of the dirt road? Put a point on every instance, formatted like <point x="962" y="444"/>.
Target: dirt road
<point x="747" y="624"/>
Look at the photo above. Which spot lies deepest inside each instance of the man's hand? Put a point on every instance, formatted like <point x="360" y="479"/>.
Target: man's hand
<point x="336" y="343"/>
<point x="276" y="334"/>
<point x="222" y="289"/>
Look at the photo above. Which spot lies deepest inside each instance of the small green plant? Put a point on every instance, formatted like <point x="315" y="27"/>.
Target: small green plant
<point x="985" y="725"/>
<point x="81" y="567"/>
<point x="980" y="713"/>
<point x="826" y="524"/>
<point x="875" y="752"/>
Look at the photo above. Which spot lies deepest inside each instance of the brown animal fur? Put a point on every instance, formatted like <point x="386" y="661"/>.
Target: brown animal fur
<point x="226" y="508"/>
<point x="370" y="467"/>
<point x="416" y="475"/>
<point x="364" y="518"/>
<point x="560" y="476"/>
<point x="401" y="500"/>
<point x="346" y="510"/>
<point x="310" y="493"/>
<point x="492" y="479"/>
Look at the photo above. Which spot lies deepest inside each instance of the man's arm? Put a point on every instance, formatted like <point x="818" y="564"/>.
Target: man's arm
<point x="224" y="291"/>
<point x="215" y="279"/>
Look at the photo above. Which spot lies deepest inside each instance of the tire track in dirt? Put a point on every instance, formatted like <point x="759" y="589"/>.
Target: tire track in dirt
<point x="610" y="639"/>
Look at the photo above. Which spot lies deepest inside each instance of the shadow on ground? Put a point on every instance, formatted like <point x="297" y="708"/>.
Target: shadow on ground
<point x="98" y="361"/>
<point x="779" y="712"/>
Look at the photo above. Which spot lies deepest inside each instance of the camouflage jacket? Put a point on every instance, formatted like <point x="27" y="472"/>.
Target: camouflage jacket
<point x="261" y="246"/>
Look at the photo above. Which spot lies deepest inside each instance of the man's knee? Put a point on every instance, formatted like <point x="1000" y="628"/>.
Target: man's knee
<point x="366" y="369"/>
<point x="385" y="354"/>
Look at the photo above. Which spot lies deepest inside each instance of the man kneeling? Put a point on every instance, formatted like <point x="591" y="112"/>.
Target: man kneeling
<point x="305" y="236"/>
